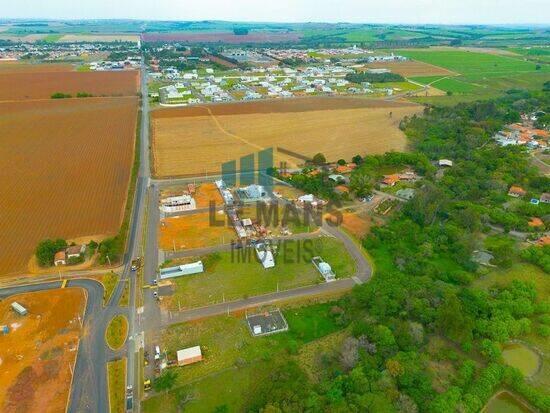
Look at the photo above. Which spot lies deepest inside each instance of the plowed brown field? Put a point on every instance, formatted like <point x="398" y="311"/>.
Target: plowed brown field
<point x="26" y="67"/>
<point x="198" y="140"/>
<point x="65" y="171"/>
<point x="412" y="68"/>
<point x="41" y="85"/>
<point x="38" y="350"/>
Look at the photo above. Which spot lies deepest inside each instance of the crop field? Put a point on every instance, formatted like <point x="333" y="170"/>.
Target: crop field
<point x="66" y="178"/>
<point x="27" y="67"/>
<point x="472" y="65"/>
<point x="71" y="38"/>
<point x="412" y="68"/>
<point x="197" y="140"/>
<point x="36" y="353"/>
<point x="20" y="85"/>
<point x="225" y="37"/>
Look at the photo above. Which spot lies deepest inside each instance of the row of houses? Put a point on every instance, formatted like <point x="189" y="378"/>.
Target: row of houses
<point x="522" y="134"/>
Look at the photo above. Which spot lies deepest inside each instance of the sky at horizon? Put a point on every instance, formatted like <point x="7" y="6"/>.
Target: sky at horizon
<point x="353" y="11"/>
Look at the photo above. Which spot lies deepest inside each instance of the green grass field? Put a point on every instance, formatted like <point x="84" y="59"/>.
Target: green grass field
<point x="482" y="75"/>
<point x="402" y="86"/>
<point x="230" y="277"/>
<point x="455" y="86"/>
<point x="233" y="359"/>
<point x="52" y="38"/>
<point x="472" y="64"/>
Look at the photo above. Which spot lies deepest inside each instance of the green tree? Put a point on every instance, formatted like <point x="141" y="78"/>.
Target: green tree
<point x="165" y="381"/>
<point x="319" y="159"/>
<point x="45" y="251"/>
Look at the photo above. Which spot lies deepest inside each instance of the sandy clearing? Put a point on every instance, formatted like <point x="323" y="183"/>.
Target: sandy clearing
<point x="36" y="354"/>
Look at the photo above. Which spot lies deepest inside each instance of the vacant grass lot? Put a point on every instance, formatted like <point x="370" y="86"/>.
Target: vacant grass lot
<point x="234" y="361"/>
<point x="233" y="277"/>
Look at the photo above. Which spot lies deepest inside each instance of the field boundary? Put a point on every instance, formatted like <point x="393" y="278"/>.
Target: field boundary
<point x="127" y="210"/>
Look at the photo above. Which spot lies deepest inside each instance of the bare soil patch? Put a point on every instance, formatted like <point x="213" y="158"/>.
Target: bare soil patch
<point x="193" y="231"/>
<point x="19" y="85"/>
<point x="36" y="353"/>
<point x="411" y="68"/>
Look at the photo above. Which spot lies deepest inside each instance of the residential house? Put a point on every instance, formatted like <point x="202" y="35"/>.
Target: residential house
<point x="545" y="198"/>
<point x="390" y="180"/>
<point x="516" y="191"/>
<point x="535" y="222"/>
<point x="75" y="251"/>
<point x="406" y="193"/>
<point x="343" y="169"/>
<point x="341" y="189"/>
<point x="337" y="178"/>
<point x="60" y="258"/>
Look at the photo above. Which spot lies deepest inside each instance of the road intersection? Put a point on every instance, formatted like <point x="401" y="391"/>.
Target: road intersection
<point x="89" y="391"/>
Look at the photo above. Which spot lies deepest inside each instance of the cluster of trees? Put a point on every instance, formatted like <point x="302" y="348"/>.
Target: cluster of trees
<point x="46" y="250"/>
<point x="240" y="31"/>
<point x="374" y="77"/>
<point x="424" y="271"/>
<point x="61" y="95"/>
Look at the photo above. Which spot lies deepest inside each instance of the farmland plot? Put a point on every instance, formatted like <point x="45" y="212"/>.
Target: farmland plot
<point x="65" y="174"/>
<point x="28" y="84"/>
<point x="199" y="144"/>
